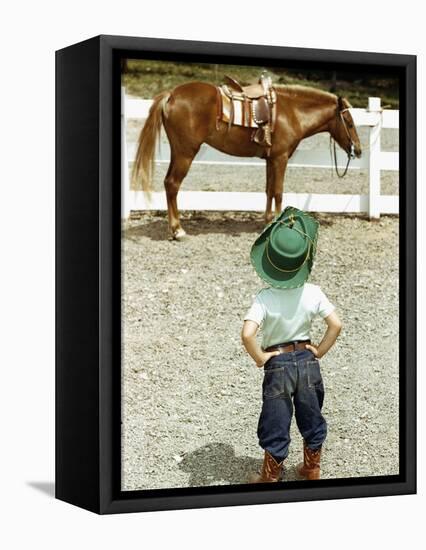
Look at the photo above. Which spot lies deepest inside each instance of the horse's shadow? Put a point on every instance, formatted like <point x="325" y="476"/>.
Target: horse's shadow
<point x="156" y="228"/>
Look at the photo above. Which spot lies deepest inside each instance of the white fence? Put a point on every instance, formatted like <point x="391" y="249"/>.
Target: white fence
<point x="373" y="160"/>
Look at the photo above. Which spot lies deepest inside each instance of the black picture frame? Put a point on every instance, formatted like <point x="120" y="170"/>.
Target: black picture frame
<point x="88" y="379"/>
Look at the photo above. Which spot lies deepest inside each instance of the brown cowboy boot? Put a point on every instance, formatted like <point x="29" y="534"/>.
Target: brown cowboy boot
<point x="310" y="467"/>
<point x="271" y="471"/>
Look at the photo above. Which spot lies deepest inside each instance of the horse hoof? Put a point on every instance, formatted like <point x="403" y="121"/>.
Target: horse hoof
<point x="179" y="235"/>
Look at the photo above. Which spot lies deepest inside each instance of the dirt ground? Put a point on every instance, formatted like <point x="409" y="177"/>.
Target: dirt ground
<point x="191" y="394"/>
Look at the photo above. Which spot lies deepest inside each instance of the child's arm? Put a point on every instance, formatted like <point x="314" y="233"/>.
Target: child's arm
<point x="248" y="336"/>
<point x="334" y="326"/>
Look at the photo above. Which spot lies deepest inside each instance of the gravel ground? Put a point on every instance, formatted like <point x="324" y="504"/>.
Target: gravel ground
<point x="191" y="395"/>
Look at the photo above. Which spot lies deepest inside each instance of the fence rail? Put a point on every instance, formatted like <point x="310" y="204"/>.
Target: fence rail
<point x="374" y="160"/>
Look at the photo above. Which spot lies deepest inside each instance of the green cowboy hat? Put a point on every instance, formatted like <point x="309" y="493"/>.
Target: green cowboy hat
<point x="283" y="253"/>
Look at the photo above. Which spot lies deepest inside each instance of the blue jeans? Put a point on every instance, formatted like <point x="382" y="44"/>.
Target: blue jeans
<point x="291" y="378"/>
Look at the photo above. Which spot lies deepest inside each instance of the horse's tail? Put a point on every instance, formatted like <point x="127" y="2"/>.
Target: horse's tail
<point x="143" y="167"/>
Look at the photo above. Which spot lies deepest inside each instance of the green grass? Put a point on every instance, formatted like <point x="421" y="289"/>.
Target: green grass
<point x="146" y="78"/>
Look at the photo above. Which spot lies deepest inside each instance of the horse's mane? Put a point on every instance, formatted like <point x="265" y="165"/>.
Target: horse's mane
<point x="306" y="93"/>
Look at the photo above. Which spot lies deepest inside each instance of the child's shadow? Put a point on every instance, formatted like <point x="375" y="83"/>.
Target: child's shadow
<point x="217" y="464"/>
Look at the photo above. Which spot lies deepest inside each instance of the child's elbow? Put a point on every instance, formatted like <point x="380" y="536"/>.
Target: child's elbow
<point x="338" y="326"/>
<point x="248" y="331"/>
<point x="244" y="337"/>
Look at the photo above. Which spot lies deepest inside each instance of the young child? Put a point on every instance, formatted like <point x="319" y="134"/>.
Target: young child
<point x="283" y="256"/>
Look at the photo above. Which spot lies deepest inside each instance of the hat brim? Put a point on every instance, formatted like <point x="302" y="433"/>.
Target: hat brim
<point x="268" y="272"/>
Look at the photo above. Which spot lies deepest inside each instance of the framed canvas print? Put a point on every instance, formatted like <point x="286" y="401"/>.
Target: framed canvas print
<point x="235" y="289"/>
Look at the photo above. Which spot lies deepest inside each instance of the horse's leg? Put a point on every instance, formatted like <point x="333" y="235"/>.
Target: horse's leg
<point x="178" y="168"/>
<point x="269" y="192"/>
<point x="278" y="168"/>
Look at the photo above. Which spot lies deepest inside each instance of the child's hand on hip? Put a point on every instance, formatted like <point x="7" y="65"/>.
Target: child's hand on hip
<point x="314" y="350"/>
<point x="266" y="355"/>
<point x="334" y="326"/>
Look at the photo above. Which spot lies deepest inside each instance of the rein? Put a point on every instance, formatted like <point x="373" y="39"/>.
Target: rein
<point x="333" y="151"/>
<point x="334" y="157"/>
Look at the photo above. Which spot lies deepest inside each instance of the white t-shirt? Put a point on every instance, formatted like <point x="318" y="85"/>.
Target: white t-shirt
<point x="286" y="314"/>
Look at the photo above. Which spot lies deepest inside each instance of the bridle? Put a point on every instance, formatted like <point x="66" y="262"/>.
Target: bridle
<point x="351" y="154"/>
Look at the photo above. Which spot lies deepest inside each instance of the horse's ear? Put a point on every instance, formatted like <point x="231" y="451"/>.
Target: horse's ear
<point x="340" y="102"/>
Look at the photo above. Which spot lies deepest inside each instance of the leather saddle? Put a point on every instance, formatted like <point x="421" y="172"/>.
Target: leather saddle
<point x="260" y="100"/>
<point x="254" y="91"/>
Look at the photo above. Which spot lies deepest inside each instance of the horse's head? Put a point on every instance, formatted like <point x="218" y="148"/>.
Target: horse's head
<point x="343" y="130"/>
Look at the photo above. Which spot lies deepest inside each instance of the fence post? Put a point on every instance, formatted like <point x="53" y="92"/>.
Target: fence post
<point x="125" y="183"/>
<point x="374" y="106"/>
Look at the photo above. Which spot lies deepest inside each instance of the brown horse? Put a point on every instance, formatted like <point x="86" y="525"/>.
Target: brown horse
<point x="189" y="116"/>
